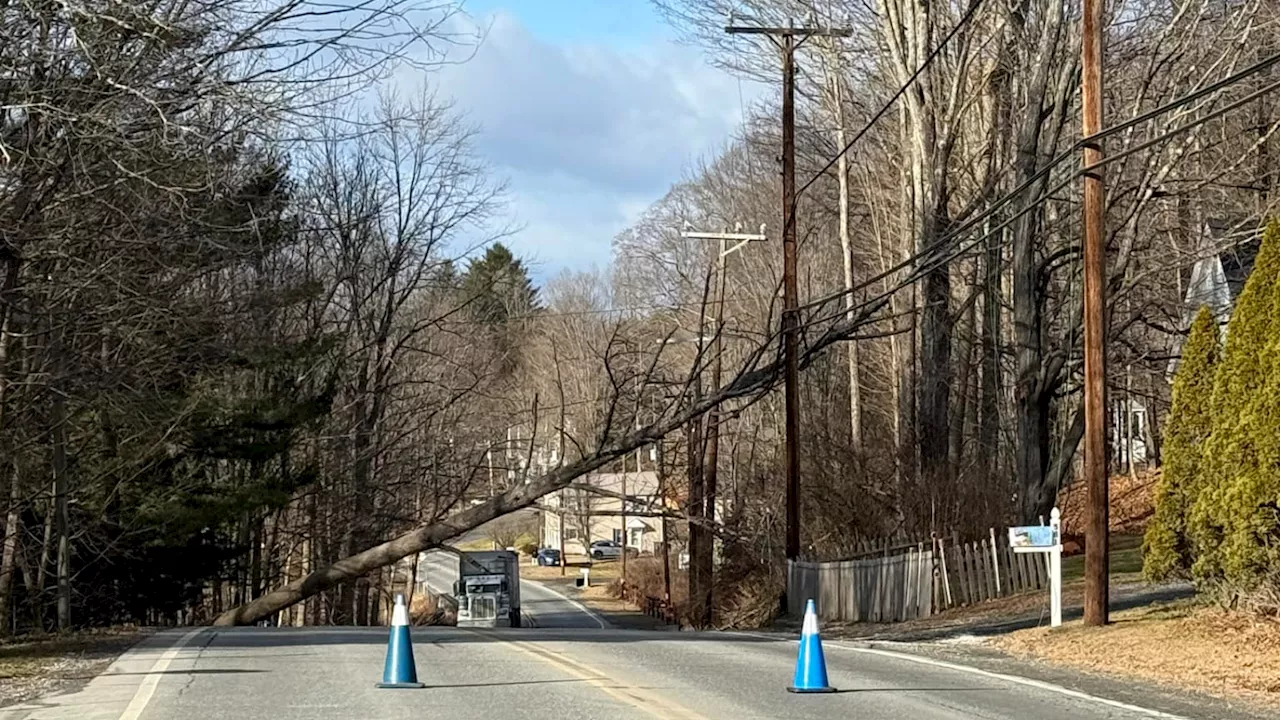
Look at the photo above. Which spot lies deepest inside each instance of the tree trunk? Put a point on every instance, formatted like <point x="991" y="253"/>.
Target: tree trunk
<point x="846" y="254"/>
<point x="989" y="405"/>
<point x="426" y="536"/>
<point x="1059" y="475"/>
<point x="8" y="558"/>
<point x="749" y="384"/>
<point x="9" y="463"/>
<point x="42" y="568"/>
<point x="61" y="492"/>
<point x="1031" y="440"/>
<point x="935" y="360"/>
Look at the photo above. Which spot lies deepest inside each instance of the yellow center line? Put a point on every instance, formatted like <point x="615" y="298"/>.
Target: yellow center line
<point x="644" y="699"/>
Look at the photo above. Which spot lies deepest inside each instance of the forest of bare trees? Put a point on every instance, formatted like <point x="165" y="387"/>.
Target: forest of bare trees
<point x="260" y="340"/>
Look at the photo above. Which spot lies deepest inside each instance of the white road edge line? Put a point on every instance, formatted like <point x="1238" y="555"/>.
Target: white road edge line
<point x="604" y="624"/>
<point x="1015" y="679"/>
<point x="1028" y="682"/>
<point x="149" y="683"/>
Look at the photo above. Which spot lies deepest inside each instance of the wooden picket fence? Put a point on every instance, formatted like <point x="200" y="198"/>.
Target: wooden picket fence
<point x="881" y="589"/>
<point x="985" y="569"/>
<point x="904" y="581"/>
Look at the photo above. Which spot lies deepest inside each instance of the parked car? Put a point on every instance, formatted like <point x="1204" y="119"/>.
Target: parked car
<point x="609" y="550"/>
<point x="548" y="557"/>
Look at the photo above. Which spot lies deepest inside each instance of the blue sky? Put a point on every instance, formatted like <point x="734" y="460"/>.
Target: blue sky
<point x="590" y="110"/>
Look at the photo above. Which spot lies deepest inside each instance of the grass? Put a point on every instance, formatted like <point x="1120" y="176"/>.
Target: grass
<point x="1125" y="554"/>
<point x="601" y="570"/>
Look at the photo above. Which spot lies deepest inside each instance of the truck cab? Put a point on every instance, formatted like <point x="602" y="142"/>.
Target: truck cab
<point x="483" y="601"/>
<point x="487" y="590"/>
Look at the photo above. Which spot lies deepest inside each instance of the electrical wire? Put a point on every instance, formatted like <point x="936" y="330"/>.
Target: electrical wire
<point x="933" y="55"/>
<point x="1068" y="154"/>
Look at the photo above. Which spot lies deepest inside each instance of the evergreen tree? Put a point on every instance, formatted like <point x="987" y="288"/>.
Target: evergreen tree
<point x="1241" y="381"/>
<point x="497" y="287"/>
<point x="500" y="296"/>
<point x="1166" y="551"/>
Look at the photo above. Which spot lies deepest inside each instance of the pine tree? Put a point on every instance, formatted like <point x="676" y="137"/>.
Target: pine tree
<point x="499" y="296"/>
<point x="1248" y="504"/>
<point x="498" y="287"/>
<point x="1242" y="378"/>
<point x="1166" y="550"/>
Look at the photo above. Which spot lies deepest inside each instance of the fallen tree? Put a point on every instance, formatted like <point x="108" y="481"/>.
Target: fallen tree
<point x="753" y="380"/>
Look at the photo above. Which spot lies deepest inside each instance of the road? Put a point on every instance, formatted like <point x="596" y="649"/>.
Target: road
<point x="538" y="674"/>
<point x="570" y="664"/>
<point x="541" y="605"/>
<point x="581" y="671"/>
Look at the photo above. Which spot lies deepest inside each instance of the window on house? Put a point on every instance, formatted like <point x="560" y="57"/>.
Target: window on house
<point x="571" y="533"/>
<point x="617" y="535"/>
<point x="637" y="536"/>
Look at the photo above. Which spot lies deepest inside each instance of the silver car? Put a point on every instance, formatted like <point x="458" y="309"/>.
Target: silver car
<point x="606" y="550"/>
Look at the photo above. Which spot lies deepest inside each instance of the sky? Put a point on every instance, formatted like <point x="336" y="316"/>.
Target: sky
<point x="590" y="110"/>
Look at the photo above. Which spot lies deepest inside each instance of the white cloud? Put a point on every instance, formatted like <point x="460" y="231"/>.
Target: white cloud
<point x="588" y="135"/>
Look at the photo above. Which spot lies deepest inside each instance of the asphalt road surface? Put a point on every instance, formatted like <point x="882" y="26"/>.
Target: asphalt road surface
<point x="570" y="665"/>
<point x="541" y="605"/>
<point x="583" y="671"/>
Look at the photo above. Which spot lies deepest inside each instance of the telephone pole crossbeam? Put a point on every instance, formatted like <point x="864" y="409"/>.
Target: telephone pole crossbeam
<point x="788" y="40"/>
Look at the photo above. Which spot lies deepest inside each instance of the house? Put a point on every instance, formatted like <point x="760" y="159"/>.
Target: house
<point x="1229" y="251"/>
<point x="1217" y="279"/>
<point x="583" y="516"/>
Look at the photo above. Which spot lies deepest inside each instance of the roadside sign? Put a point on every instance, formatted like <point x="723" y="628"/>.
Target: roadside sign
<point x="1045" y="539"/>
<point x="1033" y="536"/>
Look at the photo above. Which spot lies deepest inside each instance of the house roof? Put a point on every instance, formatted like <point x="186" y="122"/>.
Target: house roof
<point x="1238" y="241"/>
<point x="638" y="483"/>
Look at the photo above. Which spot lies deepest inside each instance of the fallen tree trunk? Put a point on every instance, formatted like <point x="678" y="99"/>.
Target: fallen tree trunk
<point x="753" y="382"/>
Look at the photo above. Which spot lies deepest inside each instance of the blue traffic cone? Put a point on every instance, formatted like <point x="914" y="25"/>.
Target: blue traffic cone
<point x="811" y="667"/>
<point x="400" y="672"/>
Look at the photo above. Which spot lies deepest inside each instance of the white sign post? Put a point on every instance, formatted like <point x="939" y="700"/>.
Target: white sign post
<point x="1044" y="539"/>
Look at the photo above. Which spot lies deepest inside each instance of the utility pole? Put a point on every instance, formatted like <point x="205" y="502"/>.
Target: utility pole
<point x="697" y="580"/>
<point x="713" y="418"/>
<point x="666" y="530"/>
<point x="788" y="40"/>
<point x="1096" y="590"/>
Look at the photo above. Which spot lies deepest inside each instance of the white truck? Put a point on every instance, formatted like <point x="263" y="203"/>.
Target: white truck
<point x="488" y="589"/>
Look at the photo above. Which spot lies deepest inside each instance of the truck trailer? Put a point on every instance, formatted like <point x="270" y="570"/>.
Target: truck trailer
<point x="488" y="589"/>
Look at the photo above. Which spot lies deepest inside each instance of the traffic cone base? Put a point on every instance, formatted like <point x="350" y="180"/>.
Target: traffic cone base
<point x="400" y="672"/>
<point x="802" y="691"/>
<point x="811" y="665"/>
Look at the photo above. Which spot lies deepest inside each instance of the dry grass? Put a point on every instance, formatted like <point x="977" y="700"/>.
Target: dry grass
<point x="601" y="571"/>
<point x="1182" y="644"/>
<point x="34" y="666"/>
<point x="1132" y="503"/>
<point x="425" y="609"/>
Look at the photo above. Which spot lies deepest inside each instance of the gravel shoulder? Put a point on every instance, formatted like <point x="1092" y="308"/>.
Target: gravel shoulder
<point x="32" y="667"/>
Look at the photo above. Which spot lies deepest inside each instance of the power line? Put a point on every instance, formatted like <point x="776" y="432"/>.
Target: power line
<point x="1068" y="154"/>
<point x="933" y="55"/>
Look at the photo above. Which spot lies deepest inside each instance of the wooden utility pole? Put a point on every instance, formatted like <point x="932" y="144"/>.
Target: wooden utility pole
<point x="666" y="530"/>
<point x="788" y="40"/>
<point x="711" y="476"/>
<point x="1096" y="588"/>
<point x="623" y="517"/>
<point x="698" y="582"/>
